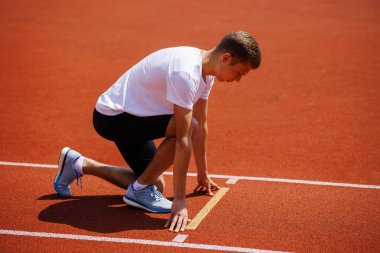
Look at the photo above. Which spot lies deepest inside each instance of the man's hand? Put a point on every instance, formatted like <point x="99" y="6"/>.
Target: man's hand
<point x="205" y="182"/>
<point x="178" y="217"/>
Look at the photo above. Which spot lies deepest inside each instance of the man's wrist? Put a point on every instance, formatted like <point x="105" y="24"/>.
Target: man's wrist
<point x="203" y="172"/>
<point x="180" y="200"/>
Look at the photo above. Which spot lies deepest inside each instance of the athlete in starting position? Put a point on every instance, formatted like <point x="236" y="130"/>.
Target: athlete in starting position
<point x="164" y="95"/>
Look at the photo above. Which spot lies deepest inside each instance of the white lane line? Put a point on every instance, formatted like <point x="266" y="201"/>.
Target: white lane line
<point x="232" y="180"/>
<point x="284" y="180"/>
<point x="264" y="179"/>
<point x="37" y="165"/>
<point x="136" y="241"/>
<point x="180" y="238"/>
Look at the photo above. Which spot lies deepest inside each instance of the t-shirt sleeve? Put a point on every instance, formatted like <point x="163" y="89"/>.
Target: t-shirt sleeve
<point x="207" y="90"/>
<point x="180" y="89"/>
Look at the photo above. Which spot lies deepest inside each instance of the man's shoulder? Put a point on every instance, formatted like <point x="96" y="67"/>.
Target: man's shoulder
<point x="180" y="50"/>
<point x="182" y="56"/>
<point x="186" y="60"/>
<point x="183" y="53"/>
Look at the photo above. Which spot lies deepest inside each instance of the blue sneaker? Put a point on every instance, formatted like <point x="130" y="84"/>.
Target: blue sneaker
<point x="66" y="172"/>
<point x="149" y="199"/>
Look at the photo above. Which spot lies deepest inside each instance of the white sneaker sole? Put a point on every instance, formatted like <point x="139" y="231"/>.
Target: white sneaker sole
<point x="60" y="167"/>
<point x="61" y="162"/>
<point x="134" y="204"/>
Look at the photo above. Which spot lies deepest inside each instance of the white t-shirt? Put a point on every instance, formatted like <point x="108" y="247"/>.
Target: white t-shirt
<point x="151" y="87"/>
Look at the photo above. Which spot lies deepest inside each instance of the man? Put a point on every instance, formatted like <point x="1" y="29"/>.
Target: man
<point x="164" y="95"/>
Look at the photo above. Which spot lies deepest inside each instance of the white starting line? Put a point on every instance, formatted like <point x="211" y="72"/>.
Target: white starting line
<point x="136" y="241"/>
<point x="180" y="238"/>
<point x="230" y="178"/>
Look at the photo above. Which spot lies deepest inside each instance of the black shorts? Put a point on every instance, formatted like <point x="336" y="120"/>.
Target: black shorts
<point x="132" y="135"/>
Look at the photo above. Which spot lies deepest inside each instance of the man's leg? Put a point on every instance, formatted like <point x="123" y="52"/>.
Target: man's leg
<point x="148" y="197"/>
<point x="164" y="156"/>
<point x="122" y="177"/>
<point x="142" y="194"/>
<point x="162" y="160"/>
<point x="140" y="156"/>
<point x="118" y="176"/>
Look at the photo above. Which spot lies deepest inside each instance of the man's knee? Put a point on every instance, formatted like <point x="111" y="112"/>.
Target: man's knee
<point x="194" y="128"/>
<point x="194" y="125"/>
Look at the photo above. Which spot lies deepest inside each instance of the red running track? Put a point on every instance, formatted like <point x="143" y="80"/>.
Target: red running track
<point x="310" y="112"/>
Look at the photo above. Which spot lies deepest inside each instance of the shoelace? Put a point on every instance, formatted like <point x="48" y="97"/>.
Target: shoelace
<point x="155" y="193"/>
<point x="79" y="180"/>
<point x="78" y="176"/>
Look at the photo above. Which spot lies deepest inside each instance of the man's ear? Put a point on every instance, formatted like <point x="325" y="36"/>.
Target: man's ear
<point x="226" y="58"/>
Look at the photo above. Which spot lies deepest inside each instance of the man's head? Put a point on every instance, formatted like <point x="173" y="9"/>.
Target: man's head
<point x="237" y="53"/>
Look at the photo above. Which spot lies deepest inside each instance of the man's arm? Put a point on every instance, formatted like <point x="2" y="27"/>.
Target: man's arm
<point x="179" y="216"/>
<point x="199" y="147"/>
<point x="200" y="136"/>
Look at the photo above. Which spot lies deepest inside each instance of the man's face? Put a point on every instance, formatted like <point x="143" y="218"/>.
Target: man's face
<point x="226" y="72"/>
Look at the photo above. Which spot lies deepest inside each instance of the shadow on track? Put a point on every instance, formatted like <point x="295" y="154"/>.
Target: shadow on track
<point x="102" y="214"/>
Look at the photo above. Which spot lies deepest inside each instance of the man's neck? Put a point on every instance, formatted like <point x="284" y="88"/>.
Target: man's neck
<point x="208" y="63"/>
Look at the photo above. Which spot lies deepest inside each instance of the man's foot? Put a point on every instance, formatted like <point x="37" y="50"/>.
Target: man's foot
<point x="148" y="198"/>
<point x="66" y="172"/>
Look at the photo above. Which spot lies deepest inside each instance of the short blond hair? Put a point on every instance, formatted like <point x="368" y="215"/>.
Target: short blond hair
<point x="242" y="47"/>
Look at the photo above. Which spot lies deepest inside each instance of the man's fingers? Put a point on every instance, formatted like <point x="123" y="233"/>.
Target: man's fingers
<point x="209" y="192"/>
<point x="208" y="187"/>
<point x="199" y="186"/>
<point x="214" y="186"/>
<point x="169" y="221"/>
<point x="179" y="223"/>
<point x="174" y="221"/>
<point x="184" y="224"/>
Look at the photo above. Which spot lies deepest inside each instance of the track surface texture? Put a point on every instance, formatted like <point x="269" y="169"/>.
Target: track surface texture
<point x="311" y="112"/>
